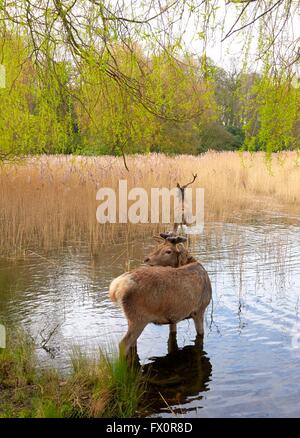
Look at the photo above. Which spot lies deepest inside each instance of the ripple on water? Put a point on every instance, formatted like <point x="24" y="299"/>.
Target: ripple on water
<point x="248" y="366"/>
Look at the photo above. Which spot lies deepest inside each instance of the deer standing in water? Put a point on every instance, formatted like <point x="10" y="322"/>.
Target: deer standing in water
<point x="172" y="287"/>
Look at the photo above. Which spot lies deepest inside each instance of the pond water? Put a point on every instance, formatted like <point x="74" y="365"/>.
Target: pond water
<point x="250" y="361"/>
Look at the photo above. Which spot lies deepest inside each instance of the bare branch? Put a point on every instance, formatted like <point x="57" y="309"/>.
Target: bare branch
<point x="267" y="11"/>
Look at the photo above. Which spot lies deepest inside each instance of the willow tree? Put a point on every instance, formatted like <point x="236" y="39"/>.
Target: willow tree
<point x="15" y="100"/>
<point x="85" y="32"/>
<point x="272" y="114"/>
<point x="111" y="120"/>
<point x="182" y="89"/>
<point x="35" y="113"/>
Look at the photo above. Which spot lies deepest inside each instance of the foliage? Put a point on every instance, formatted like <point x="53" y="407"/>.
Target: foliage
<point x="273" y="106"/>
<point x="103" y="386"/>
<point x="201" y="106"/>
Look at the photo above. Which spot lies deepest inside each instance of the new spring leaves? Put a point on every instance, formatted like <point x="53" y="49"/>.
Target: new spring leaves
<point x="153" y="208"/>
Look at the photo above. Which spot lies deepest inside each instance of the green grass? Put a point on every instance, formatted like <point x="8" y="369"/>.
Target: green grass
<point x="103" y="385"/>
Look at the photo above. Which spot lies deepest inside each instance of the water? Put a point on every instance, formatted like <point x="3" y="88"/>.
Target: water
<point x="250" y="361"/>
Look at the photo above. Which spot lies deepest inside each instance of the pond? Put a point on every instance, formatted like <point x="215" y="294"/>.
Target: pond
<point x="249" y="364"/>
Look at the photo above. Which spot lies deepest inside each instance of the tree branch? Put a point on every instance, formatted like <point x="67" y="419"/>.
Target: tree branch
<point x="252" y="21"/>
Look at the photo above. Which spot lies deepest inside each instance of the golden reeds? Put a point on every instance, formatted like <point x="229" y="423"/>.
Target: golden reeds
<point x="48" y="201"/>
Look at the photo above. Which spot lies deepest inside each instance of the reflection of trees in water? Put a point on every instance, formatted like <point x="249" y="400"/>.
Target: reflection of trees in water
<point x="175" y="378"/>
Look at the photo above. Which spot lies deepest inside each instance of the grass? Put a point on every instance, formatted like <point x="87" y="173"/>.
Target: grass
<point x="103" y="386"/>
<point x="51" y="200"/>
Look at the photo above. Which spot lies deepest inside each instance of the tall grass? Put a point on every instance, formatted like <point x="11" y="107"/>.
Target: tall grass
<point x="97" y="386"/>
<point x="51" y="200"/>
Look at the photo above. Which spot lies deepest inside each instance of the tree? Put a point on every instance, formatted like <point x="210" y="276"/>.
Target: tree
<point x="79" y="30"/>
<point x="34" y="118"/>
<point x="272" y="114"/>
<point x="78" y="41"/>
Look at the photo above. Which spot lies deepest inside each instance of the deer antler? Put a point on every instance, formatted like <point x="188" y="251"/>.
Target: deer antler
<point x="188" y="184"/>
<point x="191" y="182"/>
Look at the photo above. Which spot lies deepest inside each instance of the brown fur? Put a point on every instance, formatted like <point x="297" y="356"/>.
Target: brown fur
<point x="168" y="254"/>
<point x="162" y="294"/>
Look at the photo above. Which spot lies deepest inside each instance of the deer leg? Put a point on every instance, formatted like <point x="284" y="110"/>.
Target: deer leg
<point x="130" y="339"/>
<point x="172" y="342"/>
<point x="132" y="357"/>
<point x="199" y="342"/>
<point x="198" y="321"/>
<point x="173" y="328"/>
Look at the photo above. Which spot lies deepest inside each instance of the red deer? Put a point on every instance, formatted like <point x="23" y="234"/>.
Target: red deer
<point x="173" y="287"/>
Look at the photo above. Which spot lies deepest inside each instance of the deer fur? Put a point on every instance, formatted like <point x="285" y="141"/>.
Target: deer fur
<point x="172" y="287"/>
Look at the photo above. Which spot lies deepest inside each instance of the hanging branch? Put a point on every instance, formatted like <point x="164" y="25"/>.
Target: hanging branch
<point x="256" y="18"/>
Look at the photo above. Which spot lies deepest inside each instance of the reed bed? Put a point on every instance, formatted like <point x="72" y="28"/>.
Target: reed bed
<point x="50" y="201"/>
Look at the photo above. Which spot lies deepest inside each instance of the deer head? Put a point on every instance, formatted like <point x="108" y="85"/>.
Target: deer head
<point x="171" y="252"/>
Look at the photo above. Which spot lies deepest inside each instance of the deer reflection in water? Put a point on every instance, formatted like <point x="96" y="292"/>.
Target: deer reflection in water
<point x="177" y="377"/>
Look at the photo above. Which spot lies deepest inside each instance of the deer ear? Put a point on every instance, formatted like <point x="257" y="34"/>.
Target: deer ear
<point x="167" y="235"/>
<point x="176" y="240"/>
<point x="164" y="235"/>
<point x="172" y="240"/>
<point x="181" y="239"/>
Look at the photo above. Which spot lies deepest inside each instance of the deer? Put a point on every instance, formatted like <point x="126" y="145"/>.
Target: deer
<point x="172" y="286"/>
<point x="182" y="189"/>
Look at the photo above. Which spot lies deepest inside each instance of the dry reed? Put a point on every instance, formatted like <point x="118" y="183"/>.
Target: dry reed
<point x="49" y="201"/>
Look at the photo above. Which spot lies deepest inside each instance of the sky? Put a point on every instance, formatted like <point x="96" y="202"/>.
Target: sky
<point x="231" y="52"/>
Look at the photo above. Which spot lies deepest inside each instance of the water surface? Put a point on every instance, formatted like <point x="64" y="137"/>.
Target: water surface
<point x="250" y="361"/>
